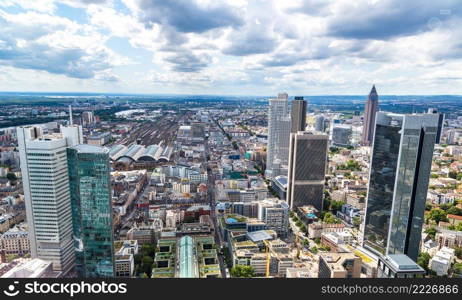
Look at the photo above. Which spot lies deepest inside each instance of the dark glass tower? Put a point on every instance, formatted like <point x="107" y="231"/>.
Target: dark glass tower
<point x="90" y="189"/>
<point x="298" y="115"/>
<point x="399" y="174"/>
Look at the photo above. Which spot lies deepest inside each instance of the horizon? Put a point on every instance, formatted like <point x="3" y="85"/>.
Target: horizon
<point x="224" y="48"/>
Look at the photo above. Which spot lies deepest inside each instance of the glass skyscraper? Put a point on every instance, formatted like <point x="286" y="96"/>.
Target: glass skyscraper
<point x="90" y="189"/>
<point x="399" y="174"/>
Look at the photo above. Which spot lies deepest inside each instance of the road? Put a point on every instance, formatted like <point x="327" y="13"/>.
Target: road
<point x="212" y="202"/>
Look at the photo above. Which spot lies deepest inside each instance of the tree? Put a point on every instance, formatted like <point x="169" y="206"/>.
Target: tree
<point x="458" y="252"/>
<point x="452" y="174"/>
<point x="356" y="221"/>
<point x="423" y="260"/>
<point x="437" y="215"/>
<point x="431" y="232"/>
<point x="458" y="268"/>
<point x="11" y="176"/>
<point x="454" y="211"/>
<point x="330" y="219"/>
<point x="336" y="205"/>
<point x="240" y="271"/>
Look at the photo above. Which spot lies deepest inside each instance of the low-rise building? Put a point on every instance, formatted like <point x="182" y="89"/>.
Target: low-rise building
<point x="398" y="266"/>
<point x="441" y="262"/>
<point x="339" y="265"/>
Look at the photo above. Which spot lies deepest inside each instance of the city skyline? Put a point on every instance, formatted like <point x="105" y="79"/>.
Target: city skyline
<point x="128" y="46"/>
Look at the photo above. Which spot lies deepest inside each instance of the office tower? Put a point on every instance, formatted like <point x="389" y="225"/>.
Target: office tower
<point x="307" y="168"/>
<point x="440" y="123"/>
<point x="298" y="115"/>
<point x="46" y="191"/>
<point x="90" y="188"/>
<point x="399" y="173"/>
<point x="319" y="124"/>
<point x="278" y="136"/>
<point x="88" y="118"/>
<point x="341" y="135"/>
<point x="372" y="107"/>
<point x="275" y="214"/>
<point x="73" y="134"/>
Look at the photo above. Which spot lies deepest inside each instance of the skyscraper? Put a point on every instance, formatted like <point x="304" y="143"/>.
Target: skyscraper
<point x="398" y="182"/>
<point x="46" y="191"/>
<point x="372" y="107"/>
<point x="320" y="124"/>
<point x="90" y="187"/>
<point x="298" y="115"/>
<point x="440" y="123"/>
<point x="307" y="168"/>
<point x="278" y="136"/>
<point x="341" y="135"/>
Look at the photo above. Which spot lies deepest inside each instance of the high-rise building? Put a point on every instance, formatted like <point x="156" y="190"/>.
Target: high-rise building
<point x="90" y="186"/>
<point x="46" y="191"/>
<point x="372" y="107"/>
<point x="341" y="135"/>
<point x="307" y="169"/>
<point x="278" y="136"/>
<point x="298" y="115"/>
<point x="440" y="123"/>
<point x="88" y="118"/>
<point x="319" y="124"/>
<point x="399" y="173"/>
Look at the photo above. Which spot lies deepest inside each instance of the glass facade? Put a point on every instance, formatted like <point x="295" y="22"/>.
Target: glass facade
<point x="400" y="169"/>
<point x="90" y="188"/>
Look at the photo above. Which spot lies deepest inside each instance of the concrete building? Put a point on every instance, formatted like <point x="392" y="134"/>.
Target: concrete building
<point x="46" y="191"/>
<point x="399" y="174"/>
<point x="372" y="107"/>
<point x="398" y="266"/>
<point x="307" y="169"/>
<point x="278" y="136"/>
<point x="15" y="242"/>
<point x="275" y="214"/>
<point x="341" y="135"/>
<point x="319" y="124"/>
<point x="339" y="265"/>
<point x="442" y="260"/>
<point x="30" y="268"/>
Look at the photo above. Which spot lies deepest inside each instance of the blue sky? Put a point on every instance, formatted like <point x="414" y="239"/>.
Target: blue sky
<point x="239" y="47"/>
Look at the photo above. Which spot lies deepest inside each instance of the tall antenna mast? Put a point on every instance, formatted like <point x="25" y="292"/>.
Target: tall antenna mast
<point x="70" y="115"/>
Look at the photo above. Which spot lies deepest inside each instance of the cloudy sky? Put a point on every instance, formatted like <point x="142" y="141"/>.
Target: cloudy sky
<point x="238" y="47"/>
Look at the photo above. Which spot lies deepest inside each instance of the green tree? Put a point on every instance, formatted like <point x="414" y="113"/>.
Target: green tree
<point x="240" y="271"/>
<point x="452" y="174"/>
<point x="457" y="268"/>
<point x="454" y="211"/>
<point x="329" y="218"/>
<point x="336" y="205"/>
<point x="423" y="260"/>
<point x="356" y="221"/>
<point x="458" y="252"/>
<point x="431" y="232"/>
<point x="437" y="215"/>
<point x="11" y="177"/>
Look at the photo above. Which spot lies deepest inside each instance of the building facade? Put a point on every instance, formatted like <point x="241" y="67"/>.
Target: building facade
<point x="370" y="111"/>
<point x="307" y="168"/>
<point x="278" y="136"/>
<point x="46" y="192"/>
<point x="90" y="186"/>
<point x="298" y="115"/>
<point x="398" y="182"/>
